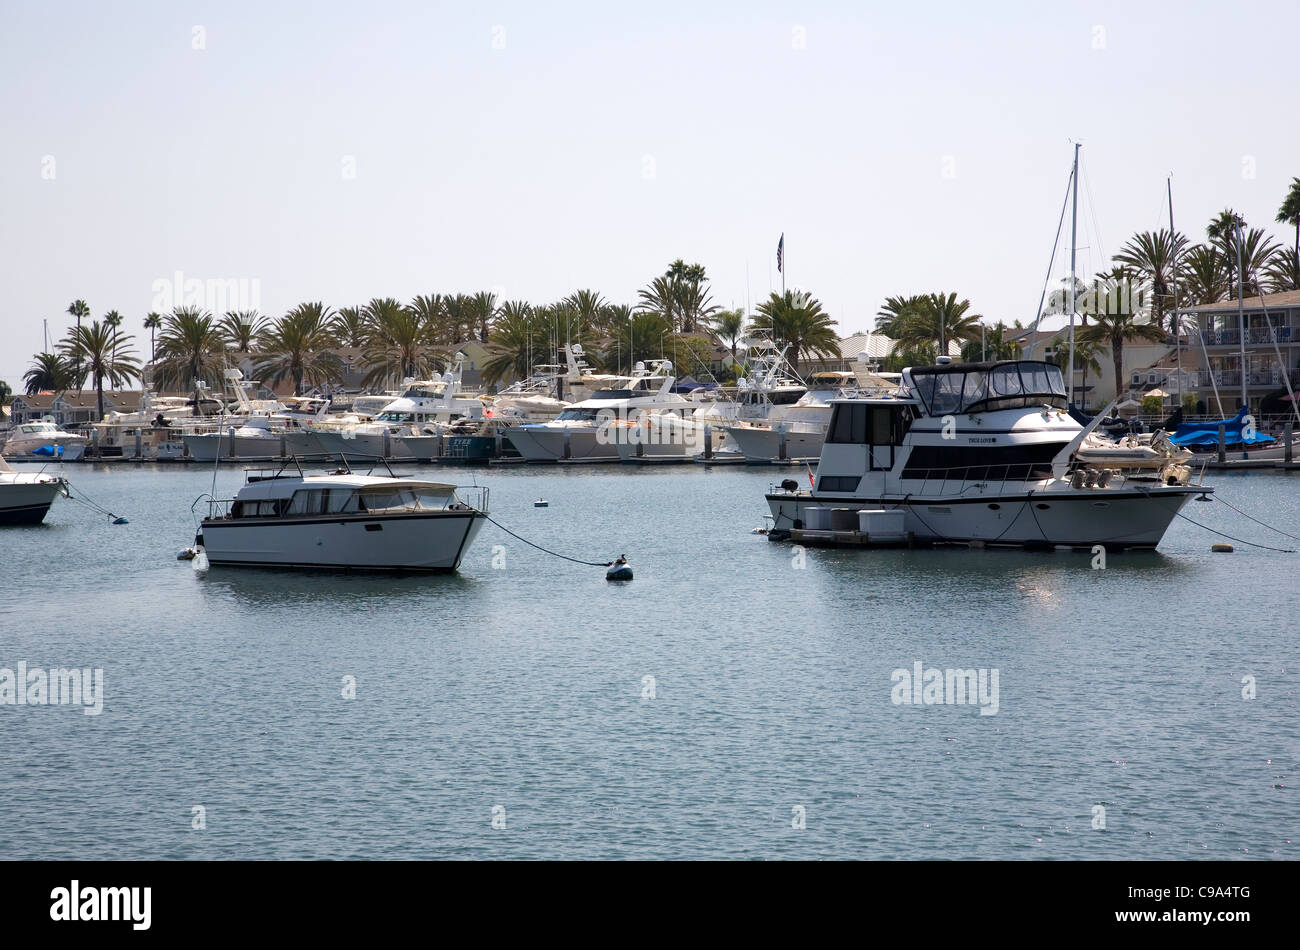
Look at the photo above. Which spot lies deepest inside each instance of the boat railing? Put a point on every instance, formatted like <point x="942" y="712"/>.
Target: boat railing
<point x="472" y="496"/>
<point x="1014" y="477"/>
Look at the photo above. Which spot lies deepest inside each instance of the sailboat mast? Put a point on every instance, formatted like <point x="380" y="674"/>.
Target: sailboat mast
<point x="1074" y="250"/>
<point x="1177" y="322"/>
<point x="1241" y="316"/>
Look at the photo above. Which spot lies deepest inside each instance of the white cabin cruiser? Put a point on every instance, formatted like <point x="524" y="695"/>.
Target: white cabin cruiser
<point x="593" y="429"/>
<point x="343" y="521"/>
<point x="44" y="439"/>
<point x="797" y="431"/>
<point x="980" y="452"/>
<point x="26" y="497"/>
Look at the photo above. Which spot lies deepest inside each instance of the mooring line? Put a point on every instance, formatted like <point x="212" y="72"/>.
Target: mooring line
<point x="1256" y="520"/>
<point x="542" y="549"/>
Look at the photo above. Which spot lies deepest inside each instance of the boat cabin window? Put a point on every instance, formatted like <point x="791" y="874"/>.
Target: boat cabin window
<point x="868" y="424"/>
<point x="785" y="397"/>
<point x="402" y="499"/>
<point x="269" y="508"/>
<point x="323" y="501"/>
<point x="577" y="415"/>
<point x="423" y="392"/>
<point x="395" y="417"/>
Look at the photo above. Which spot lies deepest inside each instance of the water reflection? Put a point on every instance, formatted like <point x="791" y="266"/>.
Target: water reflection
<point x="258" y="587"/>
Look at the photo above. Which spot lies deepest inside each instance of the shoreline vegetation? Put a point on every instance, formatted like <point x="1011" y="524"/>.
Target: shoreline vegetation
<point x="1155" y="274"/>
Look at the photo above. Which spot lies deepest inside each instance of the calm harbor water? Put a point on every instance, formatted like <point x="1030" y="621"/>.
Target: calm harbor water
<point x="520" y="692"/>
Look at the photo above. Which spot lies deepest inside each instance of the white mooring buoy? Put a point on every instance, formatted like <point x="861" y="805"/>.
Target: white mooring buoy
<point x="619" y="570"/>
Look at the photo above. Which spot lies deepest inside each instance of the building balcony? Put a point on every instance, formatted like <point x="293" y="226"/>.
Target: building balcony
<point x="1255" y="335"/>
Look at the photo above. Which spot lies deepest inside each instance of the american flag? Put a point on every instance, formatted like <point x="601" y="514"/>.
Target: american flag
<point x="780" y="254"/>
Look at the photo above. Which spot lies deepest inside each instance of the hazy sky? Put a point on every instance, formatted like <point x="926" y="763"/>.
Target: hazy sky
<point x="344" y="150"/>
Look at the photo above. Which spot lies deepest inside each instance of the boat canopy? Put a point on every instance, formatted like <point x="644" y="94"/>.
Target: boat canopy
<point x="986" y="387"/>
<point x="1207" y="433"/>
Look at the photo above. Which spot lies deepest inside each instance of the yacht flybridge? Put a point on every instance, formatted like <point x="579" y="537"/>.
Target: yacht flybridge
<point x="981" y="452"/>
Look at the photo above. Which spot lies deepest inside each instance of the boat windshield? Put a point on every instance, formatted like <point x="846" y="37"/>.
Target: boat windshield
<point x="987" y="387"/>
<point x="612" y="394"/>
<point x="577" y="415"/>
<point x="424" y="392"/>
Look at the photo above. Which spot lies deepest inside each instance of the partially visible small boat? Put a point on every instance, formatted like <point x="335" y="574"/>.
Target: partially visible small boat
<point x="44" y="439"/>
<point x="26" y="497"/>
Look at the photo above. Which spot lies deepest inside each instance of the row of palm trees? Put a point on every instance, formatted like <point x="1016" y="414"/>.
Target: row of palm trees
<point x="674" y="318"/>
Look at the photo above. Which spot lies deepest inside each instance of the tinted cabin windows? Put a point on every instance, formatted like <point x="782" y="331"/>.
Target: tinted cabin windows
<point x="864" y="424"/>
<point x="982" y="462"/>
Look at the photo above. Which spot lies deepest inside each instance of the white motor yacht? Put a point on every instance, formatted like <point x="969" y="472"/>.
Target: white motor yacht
<point x="593" y="430"/>
<point x="44" y="439"/>
<point x="407" y="426"/>
<point x="260" y="436"/>
<point x="797" y="431"/>
<point x="979" y="452"/>
<point x="26" y="497"/>
<point x="342" y="521"/>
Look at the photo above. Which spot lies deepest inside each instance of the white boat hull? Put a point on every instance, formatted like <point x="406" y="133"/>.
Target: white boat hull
<point x="562" y="443"/>
<point x="1128" y="518"/>
<point x="211" y="447"/>
<point x="764" y="444"/>
<point x="367" y="447"/>
<point x="25" y="499"/>
<point x="426" y="542"/>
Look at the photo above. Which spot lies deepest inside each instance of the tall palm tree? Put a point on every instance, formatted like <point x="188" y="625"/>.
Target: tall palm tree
<point x="1258" y="252"/>
<point x="96" y="351"/>
<point x="431" y="312"/>
<point x="660" y="297"/>
<point x="349" y="326"/>
<point x="399" y="340"/>
<point x="939" y="319"/>
<point x="1202" y="275"/>
<point x="298" y="347"/>
<point x="191" y="351"/>
<point x="458" y="319"/>
<point x="1154" y="255"/>
<point x="1118" y="318"/>
<point x="796" y="319"/>
<point x="1289" y="213"/>
<point x="612" y="317"/>
<point x="589" y="306"/>
<point x="1284" y="271"/>
<point x="483" y="307"/>
<point x="49" y="372"/>
<point x="518" y="340"/>
<point x="728" y="325"/>
<point x="151" y="323"/>
<point x="1222" y="232"/>
<point x="241" y="329"/>
<point x="79" y="309"/>
<point x="992" y="344"/>
<point x="1087" y="355"/>
<point x="113" y="319"/>
<point x="646" y="336"/>
<point x="890" y="315"/>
